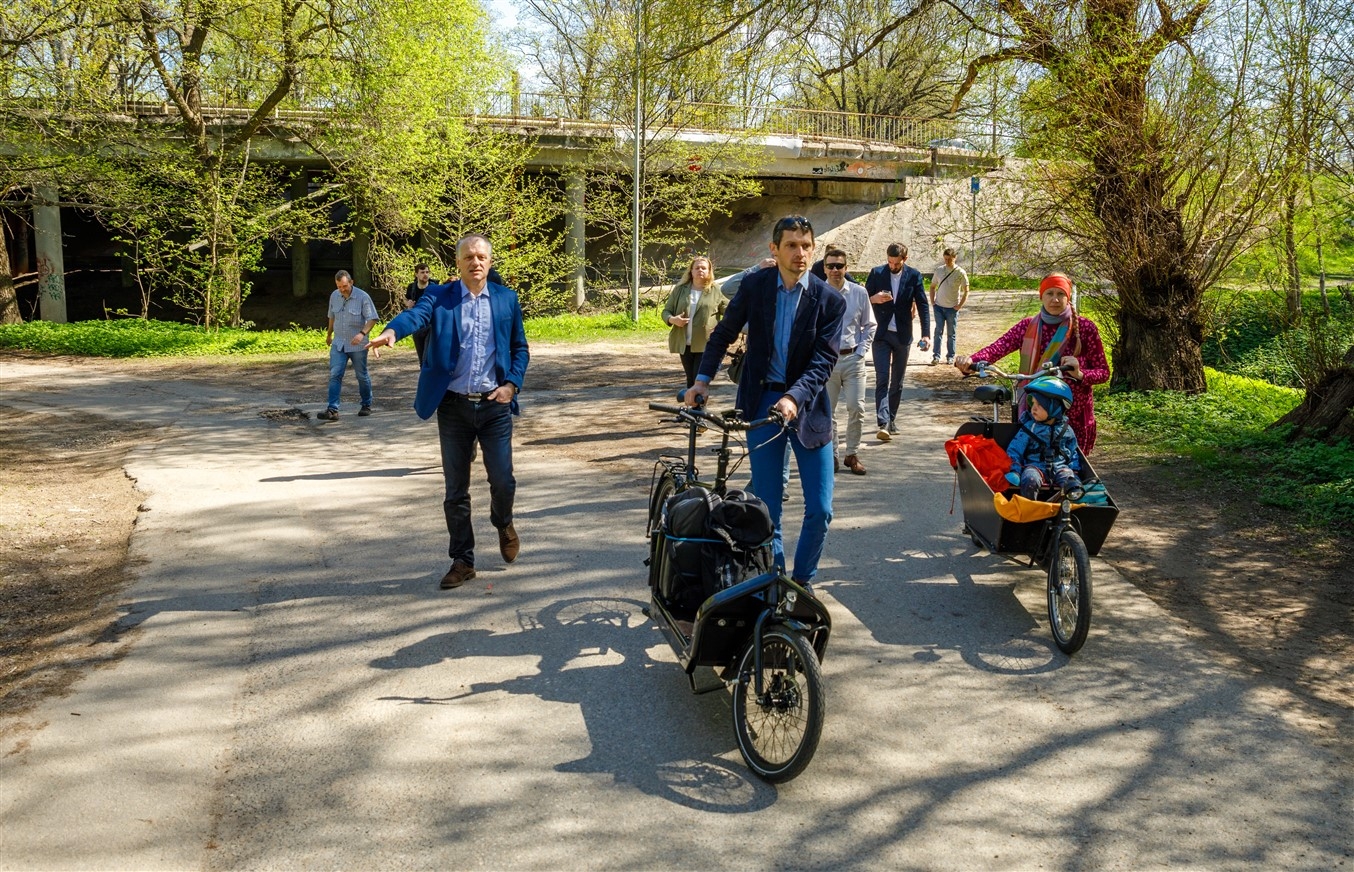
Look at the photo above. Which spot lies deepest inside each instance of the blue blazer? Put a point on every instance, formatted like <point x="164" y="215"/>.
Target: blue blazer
<point x="814" y="339"/>
<point x="910" y="291"/>
<point x="440" y="309"/>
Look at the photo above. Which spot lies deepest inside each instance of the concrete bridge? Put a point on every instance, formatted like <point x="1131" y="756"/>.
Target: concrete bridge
<point x="805" y="154"/>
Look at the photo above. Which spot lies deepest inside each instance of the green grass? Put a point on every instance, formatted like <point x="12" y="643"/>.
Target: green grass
<point x="1002" y="283"/>
<point x="582" y="328"/>
<point x="1226" y="431"/>
<point x="133" y="337"/>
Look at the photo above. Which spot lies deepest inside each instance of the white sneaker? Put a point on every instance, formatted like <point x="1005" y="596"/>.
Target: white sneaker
<point x="934" y="361"/>
<point x="883" y="434"/>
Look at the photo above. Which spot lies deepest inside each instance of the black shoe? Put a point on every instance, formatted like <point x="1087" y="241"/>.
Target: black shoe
<point x="327" y="415"/>
<point x="893" y="429"/>
<point x="364" y="412"/>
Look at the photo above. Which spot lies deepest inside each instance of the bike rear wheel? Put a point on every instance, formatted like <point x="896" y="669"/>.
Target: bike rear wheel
<point x="1069" y="592"/>
<point x="778" y="732"/>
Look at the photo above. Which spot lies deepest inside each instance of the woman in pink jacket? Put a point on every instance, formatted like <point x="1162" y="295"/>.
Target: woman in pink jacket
<point x="1057" y="333"/>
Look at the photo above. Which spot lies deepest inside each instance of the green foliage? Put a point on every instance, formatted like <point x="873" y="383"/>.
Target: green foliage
<point x="1226" y="431"/>
<point x="1247" y="336"/>
<point x="149" y="338"/>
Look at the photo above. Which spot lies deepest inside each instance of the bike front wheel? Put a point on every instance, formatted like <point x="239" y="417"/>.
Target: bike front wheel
<point x="1069" y="592"/>
<point x="666" y="487"/>
<point x="778" y="730"/>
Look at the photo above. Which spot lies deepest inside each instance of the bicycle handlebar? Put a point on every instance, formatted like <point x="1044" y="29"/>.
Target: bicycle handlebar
<point x="984" y="370"/>
<point x="722" y="420"/>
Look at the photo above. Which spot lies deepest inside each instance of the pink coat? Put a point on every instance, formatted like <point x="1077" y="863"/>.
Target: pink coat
<point x="1095" y="369"/>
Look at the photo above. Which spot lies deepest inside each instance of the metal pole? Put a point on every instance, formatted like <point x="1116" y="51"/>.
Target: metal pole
<point x="973" y="237"/>
<point x="639" y="133"/>
<point x="995" y="68"/>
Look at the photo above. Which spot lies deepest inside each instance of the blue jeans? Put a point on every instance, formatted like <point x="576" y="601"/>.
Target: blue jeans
<point x="338" y="362"/>
<point x="945" y="317"/>
<point x="815" y="475"/>
<point x="890" y="363"/>
<point x="460" y="423"/>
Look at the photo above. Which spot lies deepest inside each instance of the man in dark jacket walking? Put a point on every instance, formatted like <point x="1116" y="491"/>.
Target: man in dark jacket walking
<point x="897" y="295"/>
<point x="794" y="325"/>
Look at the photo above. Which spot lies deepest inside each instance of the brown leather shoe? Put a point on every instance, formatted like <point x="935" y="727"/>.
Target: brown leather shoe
<point x="459" y="574"/>
<point x="508" y="544"/>
<point x="852" y="462"/>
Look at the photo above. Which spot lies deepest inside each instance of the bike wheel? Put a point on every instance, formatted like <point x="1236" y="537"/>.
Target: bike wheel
<point x="666" y="487"/>
<point x="778" y="732"/>
<point x="1069" y="592"/>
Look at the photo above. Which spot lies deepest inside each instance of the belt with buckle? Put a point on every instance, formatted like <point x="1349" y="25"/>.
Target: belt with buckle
<point x="775" y="386"/>
<point x="474" y="398"/>
<point x="847" y="352"/>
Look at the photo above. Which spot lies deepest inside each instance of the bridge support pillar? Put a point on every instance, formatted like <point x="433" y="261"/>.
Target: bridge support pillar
<point x="575" y="235"/>
<point x="362" y="258"/>
<point x="51" y="259"/>
<point x="300" y="246"/>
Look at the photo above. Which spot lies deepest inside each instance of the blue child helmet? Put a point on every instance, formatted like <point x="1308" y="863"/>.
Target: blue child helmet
<point x="1054" y="393"/>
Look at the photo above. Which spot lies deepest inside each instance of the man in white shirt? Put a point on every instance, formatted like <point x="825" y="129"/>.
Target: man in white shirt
<point x="858" y="329"/>
<point x="949" y="293"/>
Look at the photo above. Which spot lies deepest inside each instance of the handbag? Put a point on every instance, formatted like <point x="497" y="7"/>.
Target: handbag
<point x="735" y="367"/>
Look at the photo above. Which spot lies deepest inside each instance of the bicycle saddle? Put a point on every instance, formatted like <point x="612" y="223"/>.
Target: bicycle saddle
<point x="992" y="394"/>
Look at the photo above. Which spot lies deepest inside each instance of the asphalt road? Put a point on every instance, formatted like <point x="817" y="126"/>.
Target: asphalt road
<point x="298" y="694"/>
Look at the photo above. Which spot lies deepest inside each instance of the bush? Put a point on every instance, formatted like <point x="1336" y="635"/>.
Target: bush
<point x="1246" y="336"/>
<point x="1227" y="431"/>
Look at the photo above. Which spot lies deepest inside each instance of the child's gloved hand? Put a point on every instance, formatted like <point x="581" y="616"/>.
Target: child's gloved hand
<point x="1013" y="479"/>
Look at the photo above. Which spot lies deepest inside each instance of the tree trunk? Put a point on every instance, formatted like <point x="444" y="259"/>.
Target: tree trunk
<point x="1292" y="276"/>
<point x="1327" y="412"/>
<point x="1159" y="355"/>
<point x="9" y="300"/>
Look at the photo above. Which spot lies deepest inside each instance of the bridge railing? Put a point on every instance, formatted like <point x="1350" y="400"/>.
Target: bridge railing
<point x="562" y="110"/>
<point x="773" y="120"/>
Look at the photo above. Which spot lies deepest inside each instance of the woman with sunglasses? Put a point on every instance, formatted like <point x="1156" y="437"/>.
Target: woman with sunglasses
<point x="1058" y="334"/>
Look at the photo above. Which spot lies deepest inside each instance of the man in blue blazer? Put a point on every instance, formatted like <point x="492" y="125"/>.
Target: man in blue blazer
<point x="794" y="322"/>
<point x="473" y="367"/>
<point x="895" y="289"/>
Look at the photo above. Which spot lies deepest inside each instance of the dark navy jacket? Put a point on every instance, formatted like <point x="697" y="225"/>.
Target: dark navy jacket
<point x="814" y="339"/>
<point x="910" y="291"/>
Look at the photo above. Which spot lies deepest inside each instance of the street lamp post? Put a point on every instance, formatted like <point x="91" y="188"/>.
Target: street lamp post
<point x="973" y="228"/>
<point x="636" y="168"/>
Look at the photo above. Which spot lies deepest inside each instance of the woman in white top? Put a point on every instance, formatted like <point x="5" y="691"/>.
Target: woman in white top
<point x="693" y="309"/>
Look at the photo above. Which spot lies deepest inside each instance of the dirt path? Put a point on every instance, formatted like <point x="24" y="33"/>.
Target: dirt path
<point x="1273" y="601"/>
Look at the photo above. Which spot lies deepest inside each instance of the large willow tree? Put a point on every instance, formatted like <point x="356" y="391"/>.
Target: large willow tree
<point x="1152" y="159"/>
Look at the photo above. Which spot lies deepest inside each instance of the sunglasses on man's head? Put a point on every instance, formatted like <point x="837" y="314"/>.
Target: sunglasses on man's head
<point x="834" y="266"/>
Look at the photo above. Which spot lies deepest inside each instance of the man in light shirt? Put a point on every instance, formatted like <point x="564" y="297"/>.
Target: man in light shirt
<point x="352" y="314"/>
<point x="949" y="293"/>
<point x="858" y="329"/>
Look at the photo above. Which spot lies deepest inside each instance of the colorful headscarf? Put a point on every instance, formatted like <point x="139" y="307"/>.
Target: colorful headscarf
<point x="1030" y="356"/>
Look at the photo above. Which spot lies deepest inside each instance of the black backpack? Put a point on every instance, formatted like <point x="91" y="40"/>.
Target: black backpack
<point x="741" y="520"/>
<point x="713" y="543"/>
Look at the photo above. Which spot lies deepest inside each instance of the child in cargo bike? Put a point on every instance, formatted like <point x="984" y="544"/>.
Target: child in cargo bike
<point x="1043" y="451"/>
